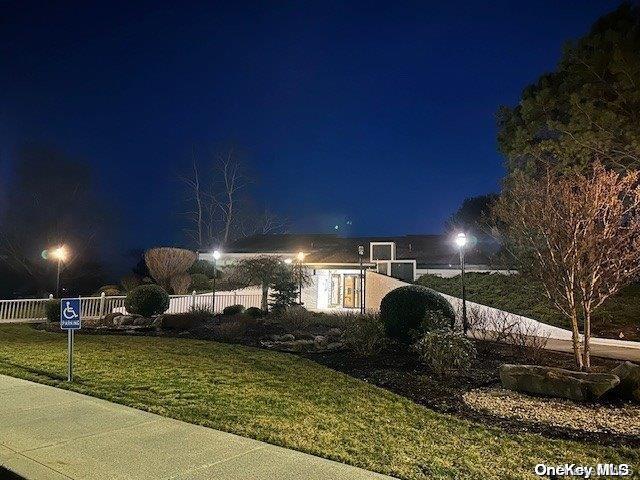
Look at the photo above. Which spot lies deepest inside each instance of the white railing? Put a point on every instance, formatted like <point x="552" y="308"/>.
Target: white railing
<point x="33" y="309"/>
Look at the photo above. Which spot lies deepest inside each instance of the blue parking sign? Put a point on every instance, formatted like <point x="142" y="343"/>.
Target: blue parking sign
<point x="70" y="314"/>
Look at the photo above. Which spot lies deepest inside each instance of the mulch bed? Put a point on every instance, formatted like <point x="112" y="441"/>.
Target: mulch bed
<point x="400" y="373"/>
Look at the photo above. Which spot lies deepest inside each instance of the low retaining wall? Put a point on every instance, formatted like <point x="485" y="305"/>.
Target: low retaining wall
<point x="559" y="339"/>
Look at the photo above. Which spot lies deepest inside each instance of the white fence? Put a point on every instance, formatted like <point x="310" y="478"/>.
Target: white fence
<point x="33" y="310"/>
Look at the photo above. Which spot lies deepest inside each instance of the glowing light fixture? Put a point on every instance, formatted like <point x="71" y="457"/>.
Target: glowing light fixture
<point x="60" y="253"/>
<point x="461" y="240"/>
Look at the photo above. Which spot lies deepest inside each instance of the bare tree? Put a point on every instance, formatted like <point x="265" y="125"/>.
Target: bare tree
<point x="264" y="223"/>
<point x="167" y="263"/>
<point x="232" y="182"/>
<point x="579" y="234"/>
<point x="221" y="209"/>
<point x="197" y="215"/>
<point x="51" y="201"/>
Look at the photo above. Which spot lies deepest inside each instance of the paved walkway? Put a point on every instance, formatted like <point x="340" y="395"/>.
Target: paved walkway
<point x="50" y="433"/>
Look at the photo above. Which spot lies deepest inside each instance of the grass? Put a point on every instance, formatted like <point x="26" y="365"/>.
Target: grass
<point x="289" y="401"/>
<point x="517" y="294"/>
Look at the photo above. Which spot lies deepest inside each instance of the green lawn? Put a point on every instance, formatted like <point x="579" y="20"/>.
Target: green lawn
<point x="289" y="401"/>
<point x="516" y="294"/>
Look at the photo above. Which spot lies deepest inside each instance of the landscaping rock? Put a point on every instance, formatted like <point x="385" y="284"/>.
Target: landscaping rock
<point x="557" y="382"/>
<point x="629" y="375"/>
<point x="334" y="346"/>
<point x="124" y="320"/>
<point x="143" y="322"/>
<point x="287" y="338"/>
<point x="319" y="340"/>
<point x="334" y="332"/>
<point x="295" y="346"/>
<point x="109" y="317"/>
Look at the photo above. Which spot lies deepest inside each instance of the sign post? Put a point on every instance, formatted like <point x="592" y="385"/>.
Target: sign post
<point x="70" y="320"/>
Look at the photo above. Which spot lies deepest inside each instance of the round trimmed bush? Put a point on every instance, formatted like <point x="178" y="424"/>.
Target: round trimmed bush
<point x="410" y="311"/>
<point x="254" y="312"/>
<point x="233" y="310"/>
<point x="52" y="310"/>
<point x="147" y="300"/>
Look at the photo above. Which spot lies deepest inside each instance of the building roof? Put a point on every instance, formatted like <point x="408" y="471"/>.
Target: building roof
<point x="429" y="251"/>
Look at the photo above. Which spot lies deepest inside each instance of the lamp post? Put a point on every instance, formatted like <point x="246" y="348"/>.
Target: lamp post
<point x="461" y="242"/>
<point x="60" y="254"/>
<point x="216" y="256"/>
<point x="300" y="260"/>
<point x="360" y="255"/>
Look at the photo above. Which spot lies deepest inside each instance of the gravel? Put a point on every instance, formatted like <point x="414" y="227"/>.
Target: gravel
<point x="621" y="419"/>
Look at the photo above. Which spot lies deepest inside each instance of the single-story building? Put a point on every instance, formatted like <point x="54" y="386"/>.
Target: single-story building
<point x="336" y="267"/>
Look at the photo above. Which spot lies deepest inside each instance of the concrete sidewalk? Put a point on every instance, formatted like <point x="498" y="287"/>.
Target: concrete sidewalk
<point x="49" y="433"/>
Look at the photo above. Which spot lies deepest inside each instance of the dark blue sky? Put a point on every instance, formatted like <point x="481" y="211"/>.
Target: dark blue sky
<point x="379" y="112"/>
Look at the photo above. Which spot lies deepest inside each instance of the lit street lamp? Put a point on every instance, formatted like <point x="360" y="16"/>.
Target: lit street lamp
<point x="300" y="260"/>
<point x="60" y="254"/>
<point x="216" y="257"/>
<point x="461" y="242"/>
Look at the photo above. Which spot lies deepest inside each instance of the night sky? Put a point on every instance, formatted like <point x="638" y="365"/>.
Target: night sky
<point x="380" y="113"/>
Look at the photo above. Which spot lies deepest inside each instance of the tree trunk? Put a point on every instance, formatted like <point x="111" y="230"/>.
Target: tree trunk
<point x="575" y="337"/>
<point x="587" y="340"/>
<point x="265" y="297"/>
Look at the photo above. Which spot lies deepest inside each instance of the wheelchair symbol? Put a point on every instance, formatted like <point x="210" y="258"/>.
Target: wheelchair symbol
<point x="69" y="313"/>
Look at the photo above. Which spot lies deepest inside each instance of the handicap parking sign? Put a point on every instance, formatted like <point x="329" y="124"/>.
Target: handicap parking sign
<point x="70" y="313"/>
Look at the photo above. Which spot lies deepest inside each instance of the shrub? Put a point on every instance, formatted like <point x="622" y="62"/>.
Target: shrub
<point x="109" y="290"/>
<point x="442" y="350"/>
<point x="204" y="267"/>
<point x="254" y="312"/>
<point x="52" y="310"/>
<point x="186" y="321"/>
<point x="294" y="318"/>
<point x="147" y="300"/>
<point x="233" y="310"/>
<point x="364" y="334"/>
<point x="413" y="310"/>
<point x="199" y="282"/>
<point x="233" y="331"/>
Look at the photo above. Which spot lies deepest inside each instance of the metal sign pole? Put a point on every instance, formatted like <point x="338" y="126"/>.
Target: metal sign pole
<point x="70" y="355"/>
<point x="70" y="320"/>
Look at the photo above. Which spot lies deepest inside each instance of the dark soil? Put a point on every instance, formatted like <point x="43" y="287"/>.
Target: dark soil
<point x="7" y="474"/>
<point x="400" y="373"/>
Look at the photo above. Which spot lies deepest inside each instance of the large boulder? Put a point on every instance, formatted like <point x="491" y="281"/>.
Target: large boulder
<point x="557" y="382"/>
<point x="629" y="375"/>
